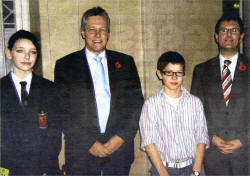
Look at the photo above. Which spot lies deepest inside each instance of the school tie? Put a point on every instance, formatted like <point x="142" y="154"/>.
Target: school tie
<point x="24" y="93"/>
<point x="102" y="95"/>
<point x="226" y="81"/>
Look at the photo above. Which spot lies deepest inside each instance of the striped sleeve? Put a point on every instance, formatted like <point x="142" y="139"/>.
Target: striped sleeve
<point x="201" y="129"/>
<point x="147" y="124"/>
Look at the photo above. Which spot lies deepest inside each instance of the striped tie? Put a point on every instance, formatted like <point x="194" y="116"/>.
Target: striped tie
<point x="226" y="81"/>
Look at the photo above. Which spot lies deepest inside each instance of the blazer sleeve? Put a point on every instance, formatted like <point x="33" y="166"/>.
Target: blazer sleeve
<point x="196" y="86"/>
<point x="198" y="90"/>
<point x="129" y="121"/>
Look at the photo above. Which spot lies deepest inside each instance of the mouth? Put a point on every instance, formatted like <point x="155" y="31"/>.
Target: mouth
<point x="228" y="40"/>
<point x="174" y="84"/>
<point x="26" y="63"/>
<point x="97" y="41"/>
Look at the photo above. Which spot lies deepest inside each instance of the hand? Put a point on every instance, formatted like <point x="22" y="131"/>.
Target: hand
<point x="192" y="174"/>
<point x="231" y="146"/>
<point x="114" y="144"/>
<point x="217" y="141"/>
<point x="99" y="150"/>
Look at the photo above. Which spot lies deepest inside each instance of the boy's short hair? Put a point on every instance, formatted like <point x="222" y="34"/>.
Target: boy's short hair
<point x="22" y="34"/>
<point x="170" y="57"/>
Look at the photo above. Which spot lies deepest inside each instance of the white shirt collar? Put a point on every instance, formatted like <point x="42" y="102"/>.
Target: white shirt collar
<point x="91" y="55"/>
<point x="17" y="81"/>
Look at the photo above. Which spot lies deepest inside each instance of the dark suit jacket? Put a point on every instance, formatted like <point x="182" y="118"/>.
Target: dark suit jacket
<point x="27" y="149"/>
<point x="74" y="81"/>
<point x="228" y="122"/>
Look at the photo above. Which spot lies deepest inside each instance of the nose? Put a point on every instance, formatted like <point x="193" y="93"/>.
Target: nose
<point x="98" y="33"/>
<point x="229" y="32"/>
<point x="174" y="76"/>
<point x="27" y="56"/>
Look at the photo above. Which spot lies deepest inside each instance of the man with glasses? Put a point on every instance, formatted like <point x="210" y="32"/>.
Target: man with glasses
<point x="101" y="99"/>
<point x="222" y="83"/>
<point x="172" y="123"/>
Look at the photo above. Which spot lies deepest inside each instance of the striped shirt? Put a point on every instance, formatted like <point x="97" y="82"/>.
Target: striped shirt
<point x="175" y="132"/>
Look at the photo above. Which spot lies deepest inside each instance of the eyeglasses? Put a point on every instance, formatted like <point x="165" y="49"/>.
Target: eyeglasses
<point x="171" y="73"/>
<point x="231" y="30"/>
<point x="102" y="31"/>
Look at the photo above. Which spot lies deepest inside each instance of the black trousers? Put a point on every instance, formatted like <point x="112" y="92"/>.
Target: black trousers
<point x="216" y="163"/>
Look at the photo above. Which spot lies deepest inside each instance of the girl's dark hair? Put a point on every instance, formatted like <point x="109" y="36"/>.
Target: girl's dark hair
<point x="22" y="34"/>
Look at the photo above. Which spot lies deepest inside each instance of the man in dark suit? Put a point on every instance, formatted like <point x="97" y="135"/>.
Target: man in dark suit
<point x="102" y="101"/>
<point x="222" y="85"/>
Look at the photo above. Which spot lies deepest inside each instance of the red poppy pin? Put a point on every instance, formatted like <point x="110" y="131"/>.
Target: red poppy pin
<point x="242" y="67"/>
<point x="118" y="65"/>
<point x="42" y="120"/>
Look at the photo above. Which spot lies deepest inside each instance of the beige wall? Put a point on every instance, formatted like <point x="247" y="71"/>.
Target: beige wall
<point x="142" y="28"/>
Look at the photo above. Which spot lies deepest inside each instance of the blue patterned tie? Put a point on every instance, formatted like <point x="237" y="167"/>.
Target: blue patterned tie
<point x="102" y="95"/>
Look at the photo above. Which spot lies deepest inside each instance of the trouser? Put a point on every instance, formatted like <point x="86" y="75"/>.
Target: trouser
<point x="216" y="163"/>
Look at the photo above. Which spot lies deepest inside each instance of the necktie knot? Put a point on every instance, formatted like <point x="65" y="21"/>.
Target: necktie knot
<point x="98" y="59"/>
<point x="227" y="62"/>
<point x="23" y="84"/>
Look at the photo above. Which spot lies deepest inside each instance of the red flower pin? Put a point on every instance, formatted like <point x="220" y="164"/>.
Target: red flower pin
<point x="242" y="67"/>
<point x="118" y="65"/>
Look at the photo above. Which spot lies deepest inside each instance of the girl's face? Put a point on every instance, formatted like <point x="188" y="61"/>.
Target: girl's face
<point x="23" y="55"/>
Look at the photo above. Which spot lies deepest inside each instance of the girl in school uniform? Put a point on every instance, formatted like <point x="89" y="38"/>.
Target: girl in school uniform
<point x="30" y="135"/>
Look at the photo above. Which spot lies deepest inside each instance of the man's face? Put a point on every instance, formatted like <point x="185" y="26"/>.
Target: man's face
<point x="229" y="36"/>
<point x="96" y="34"/>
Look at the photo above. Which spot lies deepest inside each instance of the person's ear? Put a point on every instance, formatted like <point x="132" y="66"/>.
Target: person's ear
<point x="216" y="36"/>
<point x="8" y="53"/>
<point x="83" y="34"/>
<point x="242" y="35"/>
<point x="159" y="74"/>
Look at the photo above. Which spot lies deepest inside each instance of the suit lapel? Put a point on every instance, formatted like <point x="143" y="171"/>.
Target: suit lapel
<point x="111" y="70"/>
<point x="215" y="83"/>
<point x="239" y="88"/>
<point x="82" y="89"/>
<point x="10" y="90"/>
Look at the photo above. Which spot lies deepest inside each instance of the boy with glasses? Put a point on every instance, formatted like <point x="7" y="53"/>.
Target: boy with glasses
<point x="172" y="123"/>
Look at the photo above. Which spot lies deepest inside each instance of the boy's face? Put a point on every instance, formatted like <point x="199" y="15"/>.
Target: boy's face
<point x="172" y="81"/>
<point x="23" y="55"/>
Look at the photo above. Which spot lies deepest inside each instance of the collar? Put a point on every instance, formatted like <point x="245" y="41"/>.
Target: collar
<point x="27" y="78"/>
<point x="91" y="55"/>
<point x="185" y="92"/>
<point x="17" y="80"/>
<point x="233" y="59"/>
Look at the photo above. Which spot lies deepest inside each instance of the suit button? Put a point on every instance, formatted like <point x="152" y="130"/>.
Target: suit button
<point x="227" y="113"/>
<point x="226" y="132"/>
